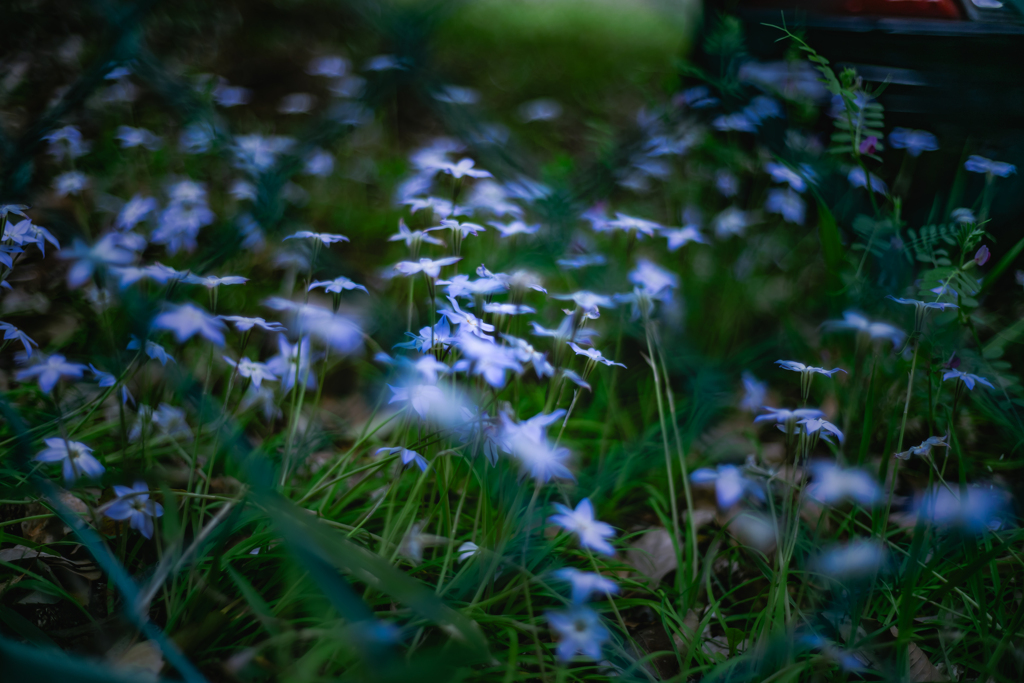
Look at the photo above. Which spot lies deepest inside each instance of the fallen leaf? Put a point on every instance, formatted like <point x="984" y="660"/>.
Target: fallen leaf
<point x="921" y="669"/>
<point x="143" y="659"/>
<point x="653" y="555"/>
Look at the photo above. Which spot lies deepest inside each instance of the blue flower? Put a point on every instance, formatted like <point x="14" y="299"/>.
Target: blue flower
<point x="730" y="484"/>
<point x="408" y="457"/>
<point x="914" y="141"/>
<point x="581" y="521"/>
<point x="967" y="378"/>
<point x="834" y="485"/>
<point x="324" y="238"/>
<point x="680" y="237"/>
<point x="787" y="416"/>
<point x="593" y="355"/>
<point x="153" y="350"/>
<point x="462" y="168"/>
<point x="580" y="631"/>
<point x="134" y="211"/>
<point x="816" y="426"/>
<point x="528" y="444"/>
<point x="337" y="285"/>
<point x="26" y="232"/>
<point x="51" y="371"/>
<point x="133" y="503"/>
<point x="783" y="174"/>
<point x="319" y="163"/>
<point x="187" y="320"/>
<point x="412" y="238"/>
<point x="584" y="584"/>
<point x="855" y="321"/>
<point x="484" y="357"/>
<point x="245" y="324"/>
<point x="138" y="137"/>
<point x="732" y="221"/>
<point x="924" y="449"/>
<point x="979" y="164"/>
<point x="253" y="371"/>
<point x="214" y="281"/>
<point x="857" y="559"/>
<point x="77" y="458"/>
<point x="754" y="393"/>
<point x="726" y="183"/>
<point x="67" y="143"/>
<point x="856" y="178"/>
<point x="184" y="216"/>
<point x="974" y="508"/>
<point x="588" y="302"/>
<point x="12" y="332"/>
<point x="111" y="250"/>
<point x="291" y="362"/>
<point x="787" y="203"/>
<point x="430" y="268"/>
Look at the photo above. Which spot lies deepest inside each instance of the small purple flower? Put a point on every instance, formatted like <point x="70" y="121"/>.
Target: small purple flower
<point x="51" y="371"/>
<point x="133" y="503"/>
<point x="188" y="320"/>
<point x="869" y="145"/>
<point x="982" y="255"/>
<point x="592" y="533"/>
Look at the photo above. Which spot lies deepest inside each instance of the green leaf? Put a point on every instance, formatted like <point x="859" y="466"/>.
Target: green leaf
<point x="831" y="245"/>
